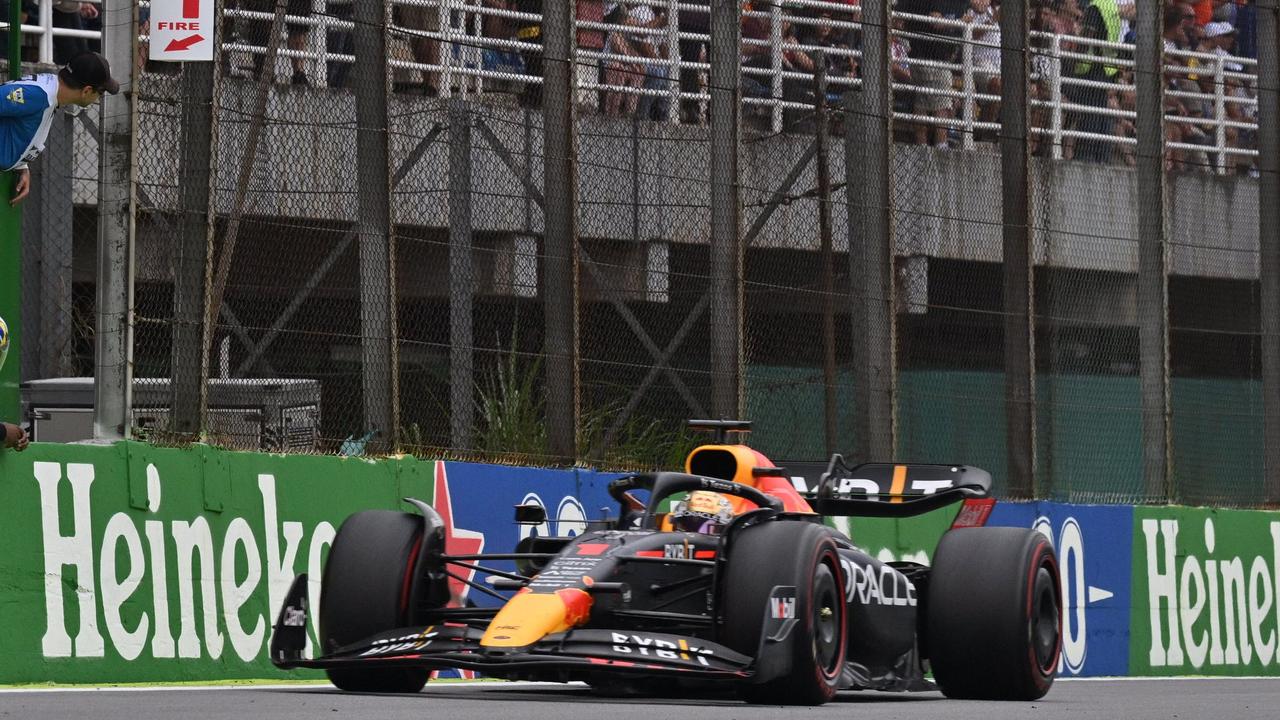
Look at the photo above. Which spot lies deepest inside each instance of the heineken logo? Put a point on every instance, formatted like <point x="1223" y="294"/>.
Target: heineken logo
<point x="161" y="587"/>
<point x="1209" y="605"/>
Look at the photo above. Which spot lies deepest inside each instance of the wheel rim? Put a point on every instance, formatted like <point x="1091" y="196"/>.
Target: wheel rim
<point x="1044" y="628"/>
<point x="827" y="613"/>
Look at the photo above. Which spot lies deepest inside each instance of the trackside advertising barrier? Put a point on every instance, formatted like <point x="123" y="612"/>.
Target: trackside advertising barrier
<point x="130" y="563"/>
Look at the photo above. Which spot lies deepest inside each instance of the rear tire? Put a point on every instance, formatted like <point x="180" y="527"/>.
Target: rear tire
<point x="994" y="614"/>
<point x="802" y="555"/>
<point x="365" y="592"/>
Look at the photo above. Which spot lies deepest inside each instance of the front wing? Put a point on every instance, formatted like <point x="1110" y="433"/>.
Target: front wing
<point x="572" y="653"/>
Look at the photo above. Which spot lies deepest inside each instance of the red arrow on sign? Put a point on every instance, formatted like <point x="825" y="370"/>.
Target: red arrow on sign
<point x="183" y="44"/>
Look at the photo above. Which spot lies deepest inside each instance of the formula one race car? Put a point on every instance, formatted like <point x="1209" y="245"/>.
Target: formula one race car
<point x="724" y="574"/>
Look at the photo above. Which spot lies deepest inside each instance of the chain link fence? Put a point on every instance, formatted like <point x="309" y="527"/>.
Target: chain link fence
<point x="368" y="256"/>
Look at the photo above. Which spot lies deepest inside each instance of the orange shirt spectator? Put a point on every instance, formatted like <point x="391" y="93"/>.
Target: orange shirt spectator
<point x="1204" y="12"/>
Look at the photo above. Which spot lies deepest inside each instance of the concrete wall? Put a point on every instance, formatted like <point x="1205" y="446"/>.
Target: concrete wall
<point x="645" y="181"/>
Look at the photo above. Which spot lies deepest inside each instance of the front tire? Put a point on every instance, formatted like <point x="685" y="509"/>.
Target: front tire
<point x="994" y="614"/>
<point x="366" y="591"/>
<point x="802" y="555"/>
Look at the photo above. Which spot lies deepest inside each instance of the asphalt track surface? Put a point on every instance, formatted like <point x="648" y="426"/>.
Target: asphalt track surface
<point x="1189" y="699"/>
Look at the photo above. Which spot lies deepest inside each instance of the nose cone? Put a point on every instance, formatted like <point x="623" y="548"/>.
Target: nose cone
<point x="528" y="617"/>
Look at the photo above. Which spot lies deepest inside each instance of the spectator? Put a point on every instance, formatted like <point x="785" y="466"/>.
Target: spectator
<point x="1128" y="13"/>
<point x="1241" y="111"/>
<point x="834" y="45"/>
<point x="1247" y="23"/>
<point x="70" y="15"/>
<point x="29" y="10"/>
<point x="623" y="69"/>
<point x="757" y="54"/>
<point x="530" y="32"/>
<point x="423" y="21"/>
<point x="339" y="41"/>
<point x="144" y="28"/>
<point x="693" y="49"/>
<point x="1179" y="29"/>
<point x="930" y="58"/>
<point x="496" y="27"/>
<point x="1125" y="127"/>
<point x="900" y="54"/>
<point x="27" y="107"/>
<point x="985" y="18"/>
<point x="652" y="105"/>
<point x="1060" y="18"/>
<point x="257" y="32"/>
<point x="93" y="22"/>
<point x="1177" y="18"/>
<point x="587" y="67"/>
<point x="1220" y="39"/>
<point x="296" y="38"/>
<point x="1101" y="21"/>
<point x="1204" y="11"/>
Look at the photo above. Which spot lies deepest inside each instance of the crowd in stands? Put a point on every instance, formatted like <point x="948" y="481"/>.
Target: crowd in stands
<point x="625" y="66"/>
<point x="626" y="63"/>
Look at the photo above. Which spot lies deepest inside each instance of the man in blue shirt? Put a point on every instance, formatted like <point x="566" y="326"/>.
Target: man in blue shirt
<point x="27" y="107"/>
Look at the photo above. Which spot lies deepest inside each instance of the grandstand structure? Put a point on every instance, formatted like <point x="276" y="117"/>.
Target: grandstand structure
<point x="552" y="235"/>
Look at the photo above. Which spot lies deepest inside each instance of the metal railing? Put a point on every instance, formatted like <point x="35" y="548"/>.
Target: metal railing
<point x="45" y="30"/>
<point x="469" y="61"/>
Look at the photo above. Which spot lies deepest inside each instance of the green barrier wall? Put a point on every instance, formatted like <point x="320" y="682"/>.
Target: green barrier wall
<point x="1206" y="592"/>
<point x="132" y="563"/>
<point x="129" y="563"/>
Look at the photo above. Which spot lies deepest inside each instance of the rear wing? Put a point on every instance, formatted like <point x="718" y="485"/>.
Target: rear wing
<point x="888" y="489"/>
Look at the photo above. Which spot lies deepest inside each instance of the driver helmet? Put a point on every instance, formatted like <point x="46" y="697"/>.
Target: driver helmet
<point x="703" y="512"/>
<point x="4" y="341"/>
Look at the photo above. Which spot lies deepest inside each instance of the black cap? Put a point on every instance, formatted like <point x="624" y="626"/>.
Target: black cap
<point x="91" y="69"/>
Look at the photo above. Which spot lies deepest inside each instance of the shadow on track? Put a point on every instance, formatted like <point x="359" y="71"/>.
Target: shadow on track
<point x="493" y="692"/>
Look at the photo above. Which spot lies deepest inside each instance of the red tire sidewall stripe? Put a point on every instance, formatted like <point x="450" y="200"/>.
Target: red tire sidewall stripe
<point x="827" y="554"/>
<point x="406" y="587"/>
<point x="1042" y="558"/>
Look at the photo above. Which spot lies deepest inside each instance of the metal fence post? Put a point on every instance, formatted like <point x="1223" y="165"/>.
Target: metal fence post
<point x="1153" y="295"/>
<point x="373" y="226"/>
<point x="1269" y="235"/>
<point x="823" y="163"/>
<point x="560" y="254"/>
<point x="1019" y="260"/>
<point x="726" y="210"/>
<point x="461" y="277"/>
<point x="113" y="337"/>
<point x="189" y="364"/>
<point x="869" y="194"/>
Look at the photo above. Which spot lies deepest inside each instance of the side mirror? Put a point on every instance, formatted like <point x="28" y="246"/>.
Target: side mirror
<point x="531" y="514"/>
